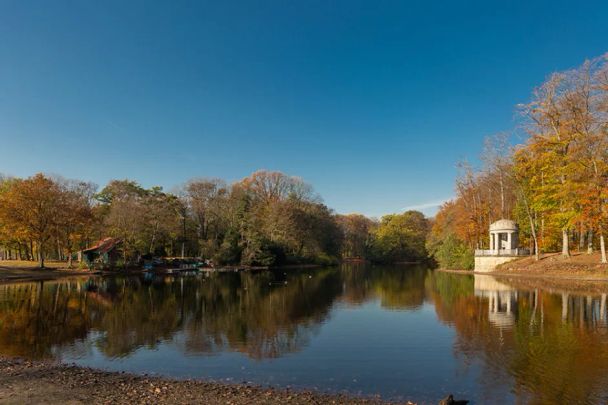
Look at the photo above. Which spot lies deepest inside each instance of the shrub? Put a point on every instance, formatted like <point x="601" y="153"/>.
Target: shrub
<point x="229" y="251"/>
<point x="454" y="254"/>
<point x="324" y="259"/>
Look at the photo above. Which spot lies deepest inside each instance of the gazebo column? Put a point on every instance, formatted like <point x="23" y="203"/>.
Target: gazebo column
<point x="507" y="244"/>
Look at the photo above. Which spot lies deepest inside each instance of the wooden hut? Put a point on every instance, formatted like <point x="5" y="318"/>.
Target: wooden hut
<point x="106" y="252"/>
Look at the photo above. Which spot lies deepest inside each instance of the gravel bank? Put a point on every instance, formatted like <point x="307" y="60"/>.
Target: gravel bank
<point x="41" y="382"/>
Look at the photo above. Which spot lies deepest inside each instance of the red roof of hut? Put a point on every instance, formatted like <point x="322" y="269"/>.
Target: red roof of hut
<point x="104" y="245"/>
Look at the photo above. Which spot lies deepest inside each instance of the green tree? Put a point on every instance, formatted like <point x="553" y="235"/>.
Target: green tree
<point x="400" y="237"/>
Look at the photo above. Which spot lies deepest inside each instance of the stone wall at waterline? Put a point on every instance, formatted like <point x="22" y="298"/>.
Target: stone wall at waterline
<point x="485" y="264"/>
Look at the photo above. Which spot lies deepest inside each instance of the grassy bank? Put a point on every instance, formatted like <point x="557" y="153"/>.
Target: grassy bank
<point x="580" y="267"/>
<point x="17" y="270"/>
<point x="21" y="270"/>
<point x="577" y="266"/>
<point x="48" y="382"/>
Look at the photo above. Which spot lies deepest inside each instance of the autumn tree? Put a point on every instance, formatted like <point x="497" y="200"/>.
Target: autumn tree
<point x="567" y="147"/>
<point x="551" y="131"/>
<point x="76" y="216"/>
<point x="451" y="240"/>
<point x="496" y="177"/>
<point x="357" y="234"/>
<point x="586" y="106"/>
<point x="529" y="205"/>
<point x="554" y="184"/>
<point x="207" y="200"/>
<point x="148" y="221"/>
<point x="33" y="208"/>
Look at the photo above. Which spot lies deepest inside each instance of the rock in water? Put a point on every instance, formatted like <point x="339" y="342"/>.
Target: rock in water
<point x="449" y="400"/>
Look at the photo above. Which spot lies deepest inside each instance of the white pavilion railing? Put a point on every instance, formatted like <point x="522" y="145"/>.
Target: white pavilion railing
<point x="502" y="252"/>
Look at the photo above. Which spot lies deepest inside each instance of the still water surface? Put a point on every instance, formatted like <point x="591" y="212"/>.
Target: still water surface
<point x="403" y="332"/>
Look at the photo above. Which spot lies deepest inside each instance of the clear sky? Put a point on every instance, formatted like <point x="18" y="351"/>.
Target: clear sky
<point x="372" y="102"/>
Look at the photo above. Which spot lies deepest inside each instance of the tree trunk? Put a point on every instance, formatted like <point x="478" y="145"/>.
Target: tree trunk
<point x="565" y="243"/>
<point x="41" y="254"/>
<point x="183" y="236"/>
<point x="602" y="245"/>
<point x="532" y="225"/>
<point x="151" y="250"/>
<point x="590" y="242"/>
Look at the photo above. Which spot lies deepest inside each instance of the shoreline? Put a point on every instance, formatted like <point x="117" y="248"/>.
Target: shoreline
<point x="517" y="274"/>
<point x="578" y="267"/>
<point x="556" y="281"/>
<point x="9" y="275"/>
<point x="14" y="274"/>
<point x="43" y="381"/>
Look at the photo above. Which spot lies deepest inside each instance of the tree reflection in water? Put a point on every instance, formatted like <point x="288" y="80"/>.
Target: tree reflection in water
<point x="553" y="344"/>
<point x="263" y="315"/>
<point x="545" y="345"/>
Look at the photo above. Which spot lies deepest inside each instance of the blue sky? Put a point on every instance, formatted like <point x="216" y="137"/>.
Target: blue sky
<point x="372" y="102"/>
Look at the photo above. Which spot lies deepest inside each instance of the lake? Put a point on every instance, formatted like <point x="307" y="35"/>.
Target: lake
<point x="404" y="332"/>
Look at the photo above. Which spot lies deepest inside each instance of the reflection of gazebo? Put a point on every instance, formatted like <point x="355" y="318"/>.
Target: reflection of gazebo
<point x="502" y="300"/>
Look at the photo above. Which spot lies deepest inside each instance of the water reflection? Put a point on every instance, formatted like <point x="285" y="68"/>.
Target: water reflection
<point x="396" y="288"/>
<point x="264" y="315"/>
<point x="509" y="341"/>
<point x="502" y="300"/>
<point x="553" y="344"/>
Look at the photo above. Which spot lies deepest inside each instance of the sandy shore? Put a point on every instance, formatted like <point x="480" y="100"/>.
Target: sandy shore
<point x="44" y="382"/>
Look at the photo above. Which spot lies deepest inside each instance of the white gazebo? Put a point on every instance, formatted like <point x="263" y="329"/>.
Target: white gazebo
<point x="504" y="246"/>
<point x="504" y="237"/>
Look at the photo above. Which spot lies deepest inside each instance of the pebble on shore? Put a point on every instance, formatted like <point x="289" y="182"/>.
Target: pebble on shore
<point x="46" y="382"/>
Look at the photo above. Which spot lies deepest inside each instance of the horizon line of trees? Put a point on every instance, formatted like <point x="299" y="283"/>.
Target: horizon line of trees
<point x="554" y="184"/>
<point x="265" y="219"/>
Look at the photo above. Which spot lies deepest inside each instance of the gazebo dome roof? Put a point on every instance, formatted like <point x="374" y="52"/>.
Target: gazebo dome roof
<point x="503" y="225"/>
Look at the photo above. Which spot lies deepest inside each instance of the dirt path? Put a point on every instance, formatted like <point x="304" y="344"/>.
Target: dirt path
<point x="26" y="382"/>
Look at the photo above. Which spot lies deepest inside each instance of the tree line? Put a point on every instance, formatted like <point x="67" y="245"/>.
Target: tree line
<point x="266" y="219"/>
<point x="554" y="184"/>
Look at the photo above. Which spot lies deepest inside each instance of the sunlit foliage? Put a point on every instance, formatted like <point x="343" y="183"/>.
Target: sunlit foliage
<point x="555" y="184"/>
